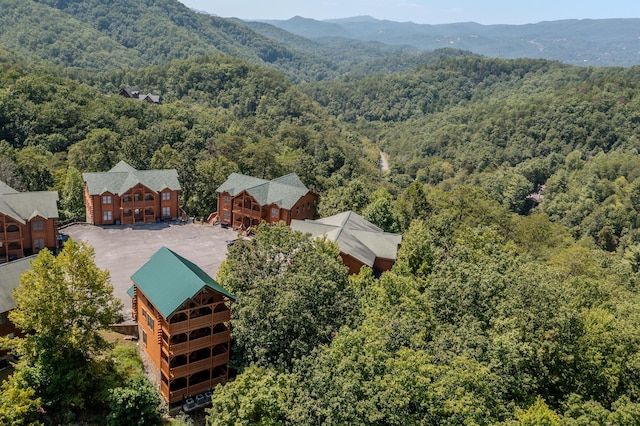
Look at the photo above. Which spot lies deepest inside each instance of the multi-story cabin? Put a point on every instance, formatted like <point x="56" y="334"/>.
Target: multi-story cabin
<point x="124" y="195"/>
<point x="183" y="319"/>
<point x="9" y="280"/>
<point x="28" y="222"/>
<point x="360" y="241"/>
<point x="245" y="201"/>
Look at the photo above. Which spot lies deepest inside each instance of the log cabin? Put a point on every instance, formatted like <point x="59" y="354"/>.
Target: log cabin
<point x="184" y="324"/>
<point x="245" y="201"/>
<point x="360" y="242"/>
<point x="28" y="222"/>
<point x="9" y="280"/>
<point x="127" y="196"/>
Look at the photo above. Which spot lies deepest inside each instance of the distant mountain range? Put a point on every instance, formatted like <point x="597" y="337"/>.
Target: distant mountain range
<point x="605" y="42"/>
<point x="97" y="36"/>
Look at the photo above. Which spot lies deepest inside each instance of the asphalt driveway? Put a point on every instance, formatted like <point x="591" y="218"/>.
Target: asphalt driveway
<point x="123" y="249"/>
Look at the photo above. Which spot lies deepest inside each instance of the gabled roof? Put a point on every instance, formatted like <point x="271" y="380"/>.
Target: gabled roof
<point x="154" y="99"/>
<point x="131" y="92"/>
<point x="122" y="177"/>
<point x="284" y="191"/>
<point x="168" y="280"/>
<point x="24" y="206"/>
<point x="354" y="235"/>
<point x="6" y="189"/>
<point x="10" y="279"/>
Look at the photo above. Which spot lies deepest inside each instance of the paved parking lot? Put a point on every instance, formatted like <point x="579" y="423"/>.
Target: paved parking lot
<point x="123" y="249"/>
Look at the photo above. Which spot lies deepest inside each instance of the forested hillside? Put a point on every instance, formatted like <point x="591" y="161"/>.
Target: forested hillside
<point x="99" y="36"/>
<point x="515" y="184"/>
<point x="221" y="115"/>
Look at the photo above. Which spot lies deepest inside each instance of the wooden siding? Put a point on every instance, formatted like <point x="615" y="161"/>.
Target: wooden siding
<point x="18" y="240"/>
<point x="244" y="211"/>
<point x="162" y="352"/>
<point x="138" y="205"/>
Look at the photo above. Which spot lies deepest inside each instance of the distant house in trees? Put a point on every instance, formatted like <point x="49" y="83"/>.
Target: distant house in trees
<point x="134" y="93"/>
<point x="183" y="319"/>
<point x="245" y="201"/>
<point x="28" y="222"/>
<point x="360" y="242"/>
<point x="9" y="280"/>
<point x="128" y="196"/>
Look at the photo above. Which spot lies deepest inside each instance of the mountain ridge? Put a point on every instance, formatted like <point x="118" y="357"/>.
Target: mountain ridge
<point x="596" y="42"/>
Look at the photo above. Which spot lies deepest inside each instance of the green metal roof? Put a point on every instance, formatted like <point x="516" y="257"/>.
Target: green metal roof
<point x="168" y="280"/>
<point x="284" y="191"/>
<point x="10" y="279"/>
<point x="122" y="177"/>
<point x="354" y="235"/>
<point x="24" y="206"/>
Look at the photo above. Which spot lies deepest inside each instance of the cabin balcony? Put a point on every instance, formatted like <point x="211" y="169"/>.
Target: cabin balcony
<point x="199" y="322"/>
<point x="199" y="343"/>
<point x="200" y="387"/>
<point x="12" y="236"/>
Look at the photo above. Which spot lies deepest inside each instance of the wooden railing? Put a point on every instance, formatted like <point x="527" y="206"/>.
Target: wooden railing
<point x="221" y="359"/>
<point x="200" y="365"/>
<point x="178" y="394"/>
<point x="247" y="212"/>
<point x="199" y="343"/>
<point x="222" y="316"/>
<point x="221" y="337"/>
<point x="194" y="367"/>
<point x="180" y="371"/>
<point x="199" y="322"/>
<point x="13" y="236"/>
<point x="202" y="342"/>
<point x="199" y="388"/>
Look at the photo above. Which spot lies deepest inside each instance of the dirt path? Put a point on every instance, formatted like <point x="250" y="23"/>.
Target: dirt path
<point x="384" y="161"/>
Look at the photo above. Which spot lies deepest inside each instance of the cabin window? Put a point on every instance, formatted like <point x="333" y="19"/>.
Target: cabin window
<point x="126" y="198"/>
<point x="38" y="244"/>
<point x="107" y="216"/>
<point x="38" y="225"/>
<point x="274" y="211"/>
<point x="166" y="211"/>
<point x="12" y="228"/>
<point x="144" y="338"/>
<point x="127" y="211"/>
<point x="227" y="199"/>
<point x="297" y="210"/>
<point x="166" y="196"/>
<point x="147" y="197"/>
<point x="150" y="322"/>
<point x="226" y="214"/>
<point x="136" y="197"/>
<point x="106" y="199"/>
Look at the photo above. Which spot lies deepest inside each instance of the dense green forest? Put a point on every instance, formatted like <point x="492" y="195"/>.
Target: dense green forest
<point x="501" y="308"/>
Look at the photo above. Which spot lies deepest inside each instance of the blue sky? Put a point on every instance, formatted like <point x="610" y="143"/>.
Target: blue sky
<point x="424" y="11"/>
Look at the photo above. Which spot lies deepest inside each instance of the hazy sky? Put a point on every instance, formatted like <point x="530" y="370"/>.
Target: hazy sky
<point x="424" y="11"/>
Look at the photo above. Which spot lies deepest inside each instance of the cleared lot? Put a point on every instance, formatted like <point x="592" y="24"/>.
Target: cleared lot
<point x="123" y="249"/>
